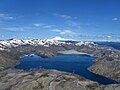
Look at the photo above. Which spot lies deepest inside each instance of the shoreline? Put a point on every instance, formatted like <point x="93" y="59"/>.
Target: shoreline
<point x="72" y="52"/>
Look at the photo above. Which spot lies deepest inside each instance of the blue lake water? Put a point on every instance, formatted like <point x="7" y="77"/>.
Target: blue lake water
<point x="77" y="64"/>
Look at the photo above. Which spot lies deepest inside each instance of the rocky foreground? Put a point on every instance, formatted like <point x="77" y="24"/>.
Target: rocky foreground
<point x="47" y="80"/>
<point x="8" y="59"/>
<point x="106" y="63"/>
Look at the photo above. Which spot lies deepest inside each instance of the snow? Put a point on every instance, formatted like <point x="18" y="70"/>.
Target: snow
<point x="1" y="48"/>
<point x="58" y="38"/>
<point x="39" y="42"/>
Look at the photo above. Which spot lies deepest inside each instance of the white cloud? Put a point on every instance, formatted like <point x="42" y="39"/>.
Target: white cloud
<point x="67" y="32"/>
<point x="56" y="30"/>
<point x="43" y="25"/>
<point x="13" y="29"/>
<point x="5" y="17"/>
<point x="109" y="36"/>
<point x="115" y="19"/>
<point x="37" y="25"/>
<point x="47" y="26"/>
<point x="72" y="23"/>
<point x="63" y="31"/>
<point x="16" y="28"/>
<point x="63" y="16"/>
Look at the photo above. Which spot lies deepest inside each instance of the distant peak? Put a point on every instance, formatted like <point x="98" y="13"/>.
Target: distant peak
<point x="57" y="38"/>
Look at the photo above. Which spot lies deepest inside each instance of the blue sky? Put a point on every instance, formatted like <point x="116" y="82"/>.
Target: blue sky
<point x="88" y="20"/>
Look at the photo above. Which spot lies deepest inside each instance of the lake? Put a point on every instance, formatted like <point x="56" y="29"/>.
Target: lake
<point x="72" y="63"/>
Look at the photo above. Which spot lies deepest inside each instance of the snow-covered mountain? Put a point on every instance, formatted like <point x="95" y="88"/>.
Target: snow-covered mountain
<point x="38" y="42"/>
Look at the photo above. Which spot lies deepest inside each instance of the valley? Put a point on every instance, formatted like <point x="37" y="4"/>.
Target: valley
<point x="106" y="61"/>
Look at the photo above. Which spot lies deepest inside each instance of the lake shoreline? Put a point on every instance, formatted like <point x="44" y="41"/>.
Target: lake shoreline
<point x="73" y="52"/>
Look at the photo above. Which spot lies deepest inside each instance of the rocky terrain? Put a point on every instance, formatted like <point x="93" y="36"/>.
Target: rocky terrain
<point x="47" y="80"/>
<point x="110" y="69"/>
<point x="106" y="63"/>
<point x="8" y="58"/>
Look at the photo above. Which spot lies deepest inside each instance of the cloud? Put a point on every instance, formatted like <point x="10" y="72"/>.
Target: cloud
<point x="100" y="37"/>
<point x="109" y="36"/>
<point x="13" y="29"/>
<point x="115" y="19"/>
<point x="73" y="24"/>
<point x="56" y="30"/>
<point x="16" y="28"/>
<point x="67" y="32"/>
<point x="64" y="31"/>
<point x="5" y="17"/>
<point x="37" y="25"/>
<point x="63" y="16"/>
<point x="106" y="37"/>
<point x="43" y="25"/>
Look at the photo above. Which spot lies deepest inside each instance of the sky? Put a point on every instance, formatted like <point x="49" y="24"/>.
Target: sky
<point x="85" y="20"/>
